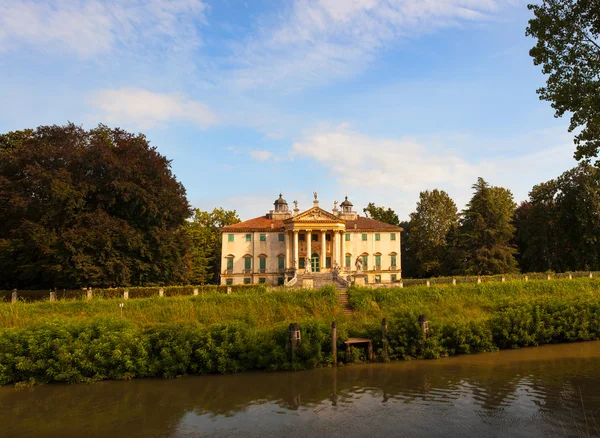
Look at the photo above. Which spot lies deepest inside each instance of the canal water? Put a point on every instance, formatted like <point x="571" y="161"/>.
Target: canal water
<point x="543" y="391"/>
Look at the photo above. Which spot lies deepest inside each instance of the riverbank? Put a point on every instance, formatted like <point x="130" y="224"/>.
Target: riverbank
<point x="80" y="341"/>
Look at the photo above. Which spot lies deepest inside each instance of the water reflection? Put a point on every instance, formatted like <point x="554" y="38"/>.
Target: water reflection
<point x="529" y="392"/>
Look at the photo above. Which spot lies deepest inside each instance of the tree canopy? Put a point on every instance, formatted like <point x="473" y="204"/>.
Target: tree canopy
<point x="568" y="48"/>
<point x="435" y="214"/>
<point x="88" y="208"/>
<point x="381" y="214"/>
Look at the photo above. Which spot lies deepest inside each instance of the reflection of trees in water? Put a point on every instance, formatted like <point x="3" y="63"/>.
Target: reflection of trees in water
<point x="144" y="407"/>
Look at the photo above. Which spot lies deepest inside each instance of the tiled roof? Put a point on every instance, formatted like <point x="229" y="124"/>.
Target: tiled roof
<point x="264" y="223"/>
<point x="257" y="224"/>
<point x="365" y="223"/>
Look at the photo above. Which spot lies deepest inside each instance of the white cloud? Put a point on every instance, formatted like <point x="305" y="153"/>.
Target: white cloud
<point x="146" y="109"/>
<point x="319" y="39"/>
<point x="392" y="172"/>
<point x="90" y="27"/>
<point x="260" y="155"/>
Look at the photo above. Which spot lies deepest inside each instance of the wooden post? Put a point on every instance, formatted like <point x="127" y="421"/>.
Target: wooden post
<point x="334" y="342"/>
<point x="52" y="296"/>
<point x="195" y="291"/>
<point x="370" y="351"/>
<point x="89" y="293"/>
<point x="454" y="282"/>
<point x="428" y="283"/>
<point x="424" y="323"/>
<point x="13" y="298"/>
<point x="125" y="294"/>
<point x="121" y="305"/>
<point x="384" y="338"/>
<point x="161" y="292"/>
<point x="294" y="333"/>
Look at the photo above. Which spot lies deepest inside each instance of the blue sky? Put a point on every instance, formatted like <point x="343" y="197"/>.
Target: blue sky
<point x="374" y="99"/>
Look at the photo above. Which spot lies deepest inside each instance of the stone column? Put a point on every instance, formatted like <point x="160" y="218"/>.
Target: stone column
<point x="323" y="249"/>
<point x="343" y="250"/>
<point x="334" y="249"/>
<point x="308" y="246"/>
<point x="287" y="250"/>
<point x="296" y="249"/>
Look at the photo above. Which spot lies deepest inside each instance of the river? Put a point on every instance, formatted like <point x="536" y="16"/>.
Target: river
<point x="544" y="391"/>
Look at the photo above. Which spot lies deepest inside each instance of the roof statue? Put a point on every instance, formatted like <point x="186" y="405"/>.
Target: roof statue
<point x="315" y="195"/>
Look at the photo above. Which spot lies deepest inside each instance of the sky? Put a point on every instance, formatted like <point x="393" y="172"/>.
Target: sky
<point x="376" y="100"/>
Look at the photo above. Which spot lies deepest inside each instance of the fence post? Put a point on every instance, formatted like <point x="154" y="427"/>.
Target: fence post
<point x="454" y="282"/>
<point x="428" y="283"/>
<point x="52" y="296"/>
<point x="161" y="292"/>
<point x="125" y="294"/>
<point x="384" y="338"/>
<point x="13" y="298"/>
<point x="89" y="293"/>
<point x="195" y="291"/>
<point x="294" y="333"/>
<point x="334" y="342"/>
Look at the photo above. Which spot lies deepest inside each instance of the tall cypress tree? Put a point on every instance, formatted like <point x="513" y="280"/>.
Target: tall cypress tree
<point x="486" y="231"/>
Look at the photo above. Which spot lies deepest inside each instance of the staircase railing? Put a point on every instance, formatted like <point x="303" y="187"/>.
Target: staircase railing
<point x="292" y="281"/>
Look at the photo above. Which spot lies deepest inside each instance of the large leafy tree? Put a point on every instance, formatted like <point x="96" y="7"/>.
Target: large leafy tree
<point x="407" y="253"/>
<point x="381" y="214"/>
<point x="435" y="215"/>
<point x="568" y="48"/>
<point x="205" y="243"/>
<point x="487" y="230"/>
<point x="79" y="208"/>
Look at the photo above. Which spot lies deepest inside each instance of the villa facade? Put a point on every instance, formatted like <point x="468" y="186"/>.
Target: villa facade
<point x="272" y="248"/>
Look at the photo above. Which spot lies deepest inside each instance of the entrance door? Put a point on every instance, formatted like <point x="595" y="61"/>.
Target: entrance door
<point x="314" y="263"/>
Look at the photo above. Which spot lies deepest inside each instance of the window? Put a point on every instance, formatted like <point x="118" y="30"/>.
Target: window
<point x="301" y="237"/>
<point x="347" y="237"/>
<point x="377" y="237"/>
<point x="263" y="237"/>
<point x="328" y="262"/>
<point x="315" y="237"/>
<point x="365" y="261"/>
<point x="281" y="237"/>
<point x="281" y="263"/>
<point x="229" y="281"/>
<point x="248" y="237"/>
<point x="280" y="281"/>
<point x="230" y="263"/>
<point x="301" y="263"/>
<point x="230" y="237"/>
<point x="262" y="280"/>
<point x="247" y="263"/>
<point x="392" y="236"/>
<point x="394" y="277"/>
<point x="328" y="237"/>
<point x="393" y="260"/>
<point x="364" y="237"/>
<point x="348" y="261"/>
<point x="378" y="260"/>
<point x="246" y="281"/>
<point x="378" y="279"/>
<point x="263" y="263"/>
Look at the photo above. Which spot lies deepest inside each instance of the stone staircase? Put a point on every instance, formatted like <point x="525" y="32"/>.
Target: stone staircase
<point x="326" y="279"/>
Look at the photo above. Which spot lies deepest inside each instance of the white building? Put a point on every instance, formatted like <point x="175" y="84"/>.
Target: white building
<point x="272" y="248"/>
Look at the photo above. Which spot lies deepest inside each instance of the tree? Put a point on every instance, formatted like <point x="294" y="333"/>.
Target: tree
<point x="381" y="214"/>
<point x="486" y="231"/>
<point x="205" y="243"/>
<point x="568" y="48"/>
<point x="407" y="253"/>
<point x="435" y="214"/>
<point x="88" y="208"/>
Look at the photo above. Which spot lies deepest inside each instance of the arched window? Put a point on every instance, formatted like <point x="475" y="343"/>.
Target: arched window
<point x="229" y="269"/>
<point x="281" y="262"/>
<point x="393" y="260"/>
<point x="262" y="260"/>
<point x="247" y="264"/>
<point x="377" y="260"/>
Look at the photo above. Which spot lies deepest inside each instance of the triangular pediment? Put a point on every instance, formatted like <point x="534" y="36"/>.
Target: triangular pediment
<point x="315" y="214"/>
